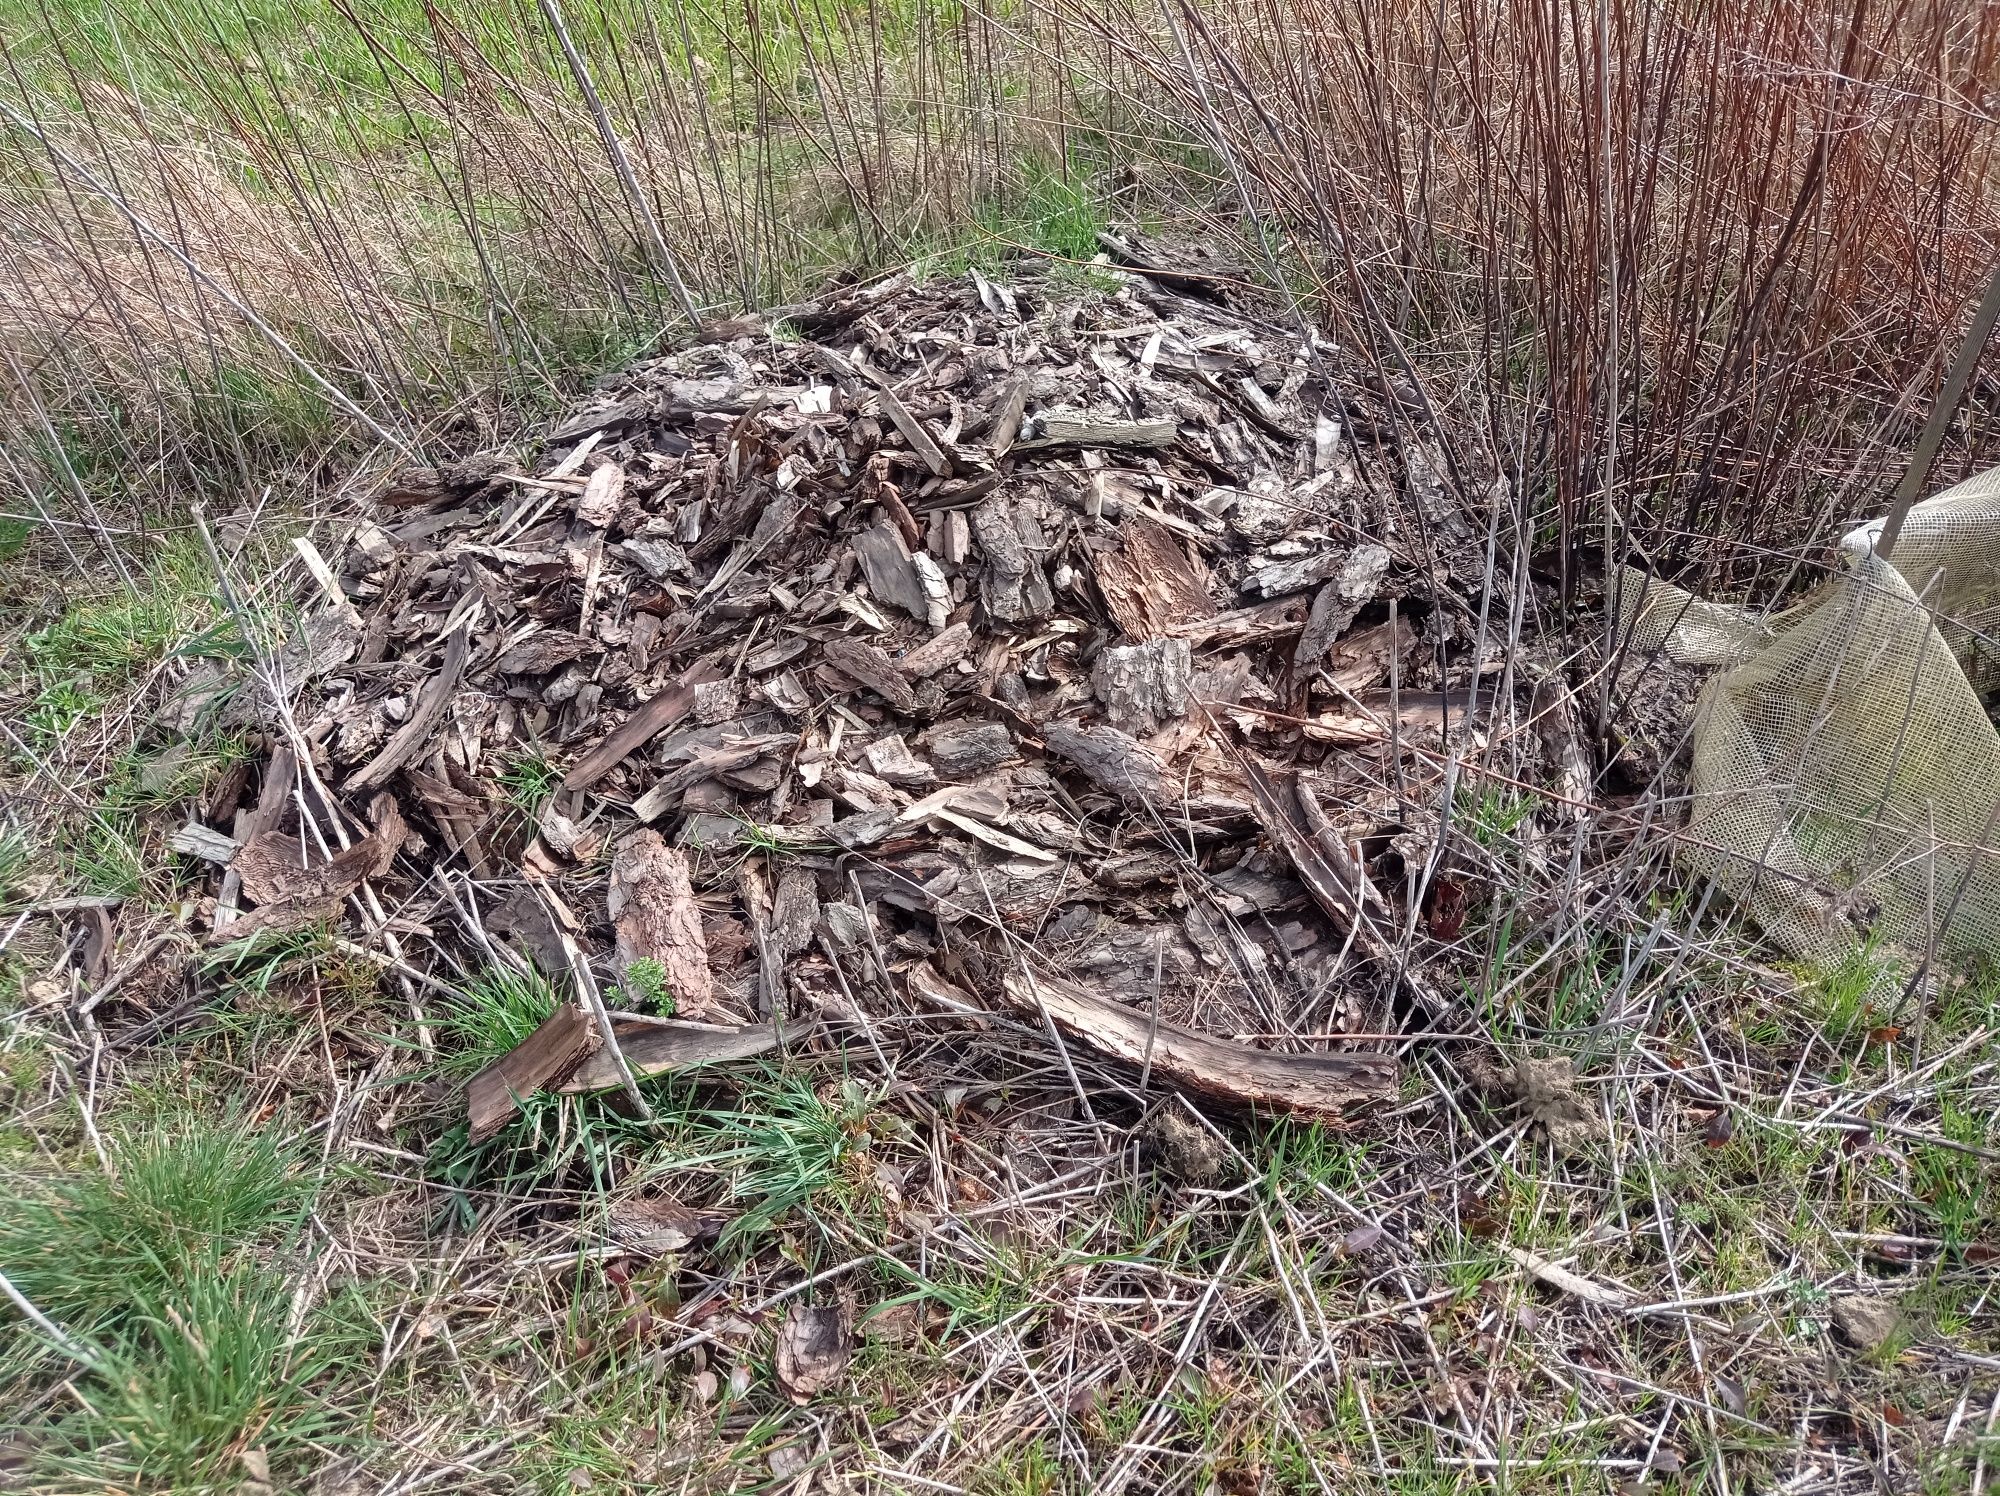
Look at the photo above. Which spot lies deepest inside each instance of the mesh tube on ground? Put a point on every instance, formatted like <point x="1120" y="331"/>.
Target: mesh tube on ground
<point x="1846" y="777"/>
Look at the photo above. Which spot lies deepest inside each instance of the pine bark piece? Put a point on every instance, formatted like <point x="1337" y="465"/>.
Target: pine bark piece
<point x="892" y="574"/>
<point x="273" y="869"/>
<point x="814" y="1347"/>
<point x="1012" y="585"/>
<point x="959" y="750"/>
<point x="1335" y="605"/>
<point x="931" y="656"/>
<point x="545" y="1057"/>
<point x="1147" y="582"/>
<point x="543" y="651"/>
<point x="889" y="758"/>
<point x="870" y="667"/>
<point x="409" y="739"/>
<point x="652" y="906"/>
<point x="1110" y="759"/>
<point x="1312" y="1085"/>
<point x="1144" y="686"/>
<point x="794" y="912"/>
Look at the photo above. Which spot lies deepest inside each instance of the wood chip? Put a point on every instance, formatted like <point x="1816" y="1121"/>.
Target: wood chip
<point x="409" y="739"/>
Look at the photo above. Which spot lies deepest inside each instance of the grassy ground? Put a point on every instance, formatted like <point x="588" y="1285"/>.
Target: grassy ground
<point x="272" y="1261"/>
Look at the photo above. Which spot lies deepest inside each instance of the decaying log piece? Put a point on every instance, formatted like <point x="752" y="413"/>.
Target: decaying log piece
<point x="1314" y="1085"/>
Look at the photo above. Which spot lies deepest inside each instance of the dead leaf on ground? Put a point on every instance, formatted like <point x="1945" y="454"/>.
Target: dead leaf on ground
<point x="814" y="1346"/>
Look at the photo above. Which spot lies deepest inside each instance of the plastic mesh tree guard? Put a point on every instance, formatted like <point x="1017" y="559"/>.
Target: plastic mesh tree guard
<point x="1846" y="775"/>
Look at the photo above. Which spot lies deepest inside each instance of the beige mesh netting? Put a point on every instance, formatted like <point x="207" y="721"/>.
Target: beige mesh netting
<point x="1846" y="775"/>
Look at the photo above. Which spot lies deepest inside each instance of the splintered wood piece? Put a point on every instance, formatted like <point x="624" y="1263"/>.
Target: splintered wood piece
<point x="424" y="717"/>
<point x="1362" y="658"/>
<point x="868" y="666"/>
<point x="544" y="1058"/>
<point x="1082" y="431"/>
<point x="1292" y="818"/>
<point x="1315" y="1085"/>
<point x="1143" y="686"/>
<point x="921" y="442"/>
<point x="1243" y="626"/>
<point x="1007" y="416"/>
<point x="639" y="729"/>
<point x="652" y="1046"/>
<point x="1147" y="582"/>
<point x="653" y="908"/>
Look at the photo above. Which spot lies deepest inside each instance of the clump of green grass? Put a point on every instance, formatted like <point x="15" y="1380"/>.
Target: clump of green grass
<point x="17" y="865"/>
<point x="260" y="963"/>
<point x="530" y="781"/>
<point x="81" y="1244"/>
<point x="1847" y="997"/>
<point x="169" y="1273"/>
<point x="497" y="1009"/>
<point x="96" y="646"/>
<point x="781" y="1146"/>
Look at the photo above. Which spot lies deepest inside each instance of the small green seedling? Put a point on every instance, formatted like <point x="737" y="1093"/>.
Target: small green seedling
<point x="646" y="985"/>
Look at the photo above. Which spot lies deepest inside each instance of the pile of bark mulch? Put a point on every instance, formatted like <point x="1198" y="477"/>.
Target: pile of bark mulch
<point x="932" y="650"/>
